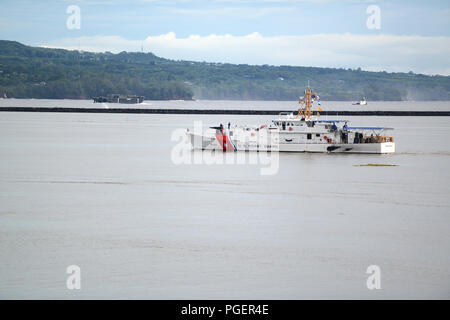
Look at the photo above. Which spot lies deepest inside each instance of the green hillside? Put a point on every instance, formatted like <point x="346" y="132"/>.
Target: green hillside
<point x="34" y="72"/>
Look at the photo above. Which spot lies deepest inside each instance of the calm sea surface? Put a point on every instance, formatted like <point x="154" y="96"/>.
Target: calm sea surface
<point x="101" y="191"/>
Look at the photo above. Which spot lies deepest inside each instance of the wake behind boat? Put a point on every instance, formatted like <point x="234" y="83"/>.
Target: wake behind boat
<point x="296" y="133"/>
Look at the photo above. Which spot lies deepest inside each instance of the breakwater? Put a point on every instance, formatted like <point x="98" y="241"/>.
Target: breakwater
<point x="224" y="111"/>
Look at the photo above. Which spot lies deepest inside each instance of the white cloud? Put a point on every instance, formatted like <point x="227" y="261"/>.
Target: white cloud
<point x="430" y="55"/>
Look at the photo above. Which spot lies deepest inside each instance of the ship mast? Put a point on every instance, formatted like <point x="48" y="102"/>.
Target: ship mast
<point x="306" y="103"/>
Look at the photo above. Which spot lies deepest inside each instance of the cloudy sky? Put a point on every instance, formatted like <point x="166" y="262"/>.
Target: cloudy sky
<point x="408" y="36"/>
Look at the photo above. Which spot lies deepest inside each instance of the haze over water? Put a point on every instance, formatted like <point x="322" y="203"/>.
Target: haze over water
<point x="100" y="191"/>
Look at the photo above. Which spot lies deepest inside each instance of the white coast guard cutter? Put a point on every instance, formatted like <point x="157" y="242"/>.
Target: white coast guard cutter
<point x="296" y="133"/>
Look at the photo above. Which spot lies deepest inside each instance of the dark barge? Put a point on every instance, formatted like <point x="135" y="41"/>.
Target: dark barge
<point x="119" y="98"/>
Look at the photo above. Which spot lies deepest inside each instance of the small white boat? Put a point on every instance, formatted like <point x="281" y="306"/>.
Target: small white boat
<point x="362" y="102"/>
<point x="296" y="133"/>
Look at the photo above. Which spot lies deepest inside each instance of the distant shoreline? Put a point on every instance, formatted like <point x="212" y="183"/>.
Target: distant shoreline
<point x="57" y="73"/>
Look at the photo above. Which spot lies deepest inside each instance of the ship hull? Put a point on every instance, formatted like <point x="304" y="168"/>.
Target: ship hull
<point x="212" y="143"/>
<point x="374" y="148"/>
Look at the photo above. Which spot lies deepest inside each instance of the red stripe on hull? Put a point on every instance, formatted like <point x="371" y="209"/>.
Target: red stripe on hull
<point x="225" y="142"/>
